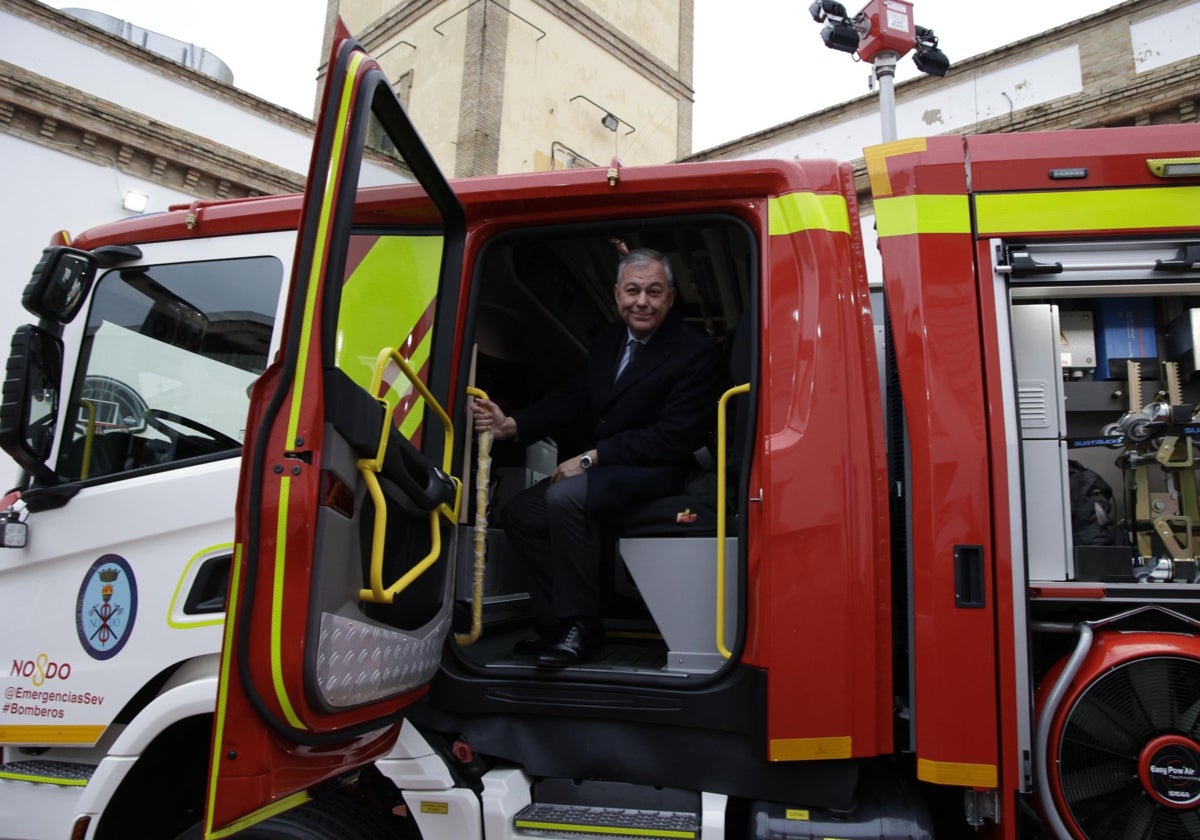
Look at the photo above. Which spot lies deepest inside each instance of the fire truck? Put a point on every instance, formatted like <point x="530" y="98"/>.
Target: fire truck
<point x="958" y="598"/>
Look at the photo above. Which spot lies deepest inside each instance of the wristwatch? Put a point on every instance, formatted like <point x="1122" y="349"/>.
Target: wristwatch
<point x="585" y="461"/>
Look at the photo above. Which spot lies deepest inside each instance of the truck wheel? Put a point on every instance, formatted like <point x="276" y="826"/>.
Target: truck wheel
<point x="331" y="817"/>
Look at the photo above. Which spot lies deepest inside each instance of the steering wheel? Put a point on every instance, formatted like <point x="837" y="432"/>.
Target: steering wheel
<point x="156" y="416"/>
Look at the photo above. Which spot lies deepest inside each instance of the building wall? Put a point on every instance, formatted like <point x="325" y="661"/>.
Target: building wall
<point x="558" y="89"/>
<point x="86" y="117"/>
<point x="521" y="85"/>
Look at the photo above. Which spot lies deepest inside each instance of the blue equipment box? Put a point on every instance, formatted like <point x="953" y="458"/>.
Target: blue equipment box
<point x="1125" y="331"/>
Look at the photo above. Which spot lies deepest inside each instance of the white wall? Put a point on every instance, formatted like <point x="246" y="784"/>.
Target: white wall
<point x="46" y="191"/>
<point x="949" y="107"/>
<point x="1165" y="38"/>
<point x="59" y="57"/>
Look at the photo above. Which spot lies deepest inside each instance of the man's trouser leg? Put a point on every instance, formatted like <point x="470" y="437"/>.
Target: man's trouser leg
<point x="549" y="526"/>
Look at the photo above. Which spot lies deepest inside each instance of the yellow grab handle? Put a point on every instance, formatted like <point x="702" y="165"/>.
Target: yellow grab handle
<point x="722" y="407"/>
<point x="370" y="467"/>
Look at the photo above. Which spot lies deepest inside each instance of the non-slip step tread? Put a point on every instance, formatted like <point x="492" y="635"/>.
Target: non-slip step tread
<point x="551" y="818"/>
<point x="47" y="772"/>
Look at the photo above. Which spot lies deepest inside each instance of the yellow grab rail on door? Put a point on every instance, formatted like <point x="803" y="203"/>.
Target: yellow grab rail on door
<point x="370" y="467"/>
<point x="722" y="407"/>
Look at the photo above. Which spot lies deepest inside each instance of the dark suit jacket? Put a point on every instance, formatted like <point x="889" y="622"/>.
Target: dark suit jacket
<point x="645" y="425"/>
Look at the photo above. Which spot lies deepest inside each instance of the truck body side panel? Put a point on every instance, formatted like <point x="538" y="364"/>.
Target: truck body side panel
<point x="922" y="211"/>
<point x="823" y="544"/>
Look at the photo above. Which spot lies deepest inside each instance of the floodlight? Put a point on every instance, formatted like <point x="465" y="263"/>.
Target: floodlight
<point x="840" y="36"/>
<point x="820" y="9"/>
<point x="928" y="58"/>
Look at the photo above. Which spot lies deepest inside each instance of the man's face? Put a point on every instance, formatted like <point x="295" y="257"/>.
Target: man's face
<point x="643" y="298"/>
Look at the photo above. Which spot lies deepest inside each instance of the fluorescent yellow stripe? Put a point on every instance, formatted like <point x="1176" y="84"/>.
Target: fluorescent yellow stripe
<point x="223" y="687"/>
<point x="1082" y="210"/>
<point x="43" y="780"/>
<point x="877" y="158"/>
<point x="602" y="829"/>
<point x="807" y="211"/>
<point x="321" y="246"/>
<point x="285" y="703"/>
<point x="206" y="622"/>
<point x="908" y="214"/>
<point x="809" y="749"/>
<point x="264" y="813"/>
<point x="952" y="773"/>
<point x="82" y="735"/>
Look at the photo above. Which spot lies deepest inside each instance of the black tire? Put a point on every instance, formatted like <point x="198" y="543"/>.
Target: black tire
<point x="331" y="817"/>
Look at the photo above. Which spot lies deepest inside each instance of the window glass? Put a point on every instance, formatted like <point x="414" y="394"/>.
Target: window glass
<point x="167" y="362"/>
<point x="387" y="302"/>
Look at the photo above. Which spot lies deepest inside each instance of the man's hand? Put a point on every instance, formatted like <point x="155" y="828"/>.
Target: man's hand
<point x="572" y="466"/>
<point x="489" y="418"/>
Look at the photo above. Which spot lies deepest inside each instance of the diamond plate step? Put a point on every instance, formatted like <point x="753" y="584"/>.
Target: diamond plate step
<point x="64" y="773"/>
<point x="554" y="820"/>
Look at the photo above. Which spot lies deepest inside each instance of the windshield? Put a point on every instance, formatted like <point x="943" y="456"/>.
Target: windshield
<point x="166" y="364"/>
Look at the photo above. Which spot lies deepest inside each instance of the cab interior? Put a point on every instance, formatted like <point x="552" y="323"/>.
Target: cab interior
<point x="540" y="295"/>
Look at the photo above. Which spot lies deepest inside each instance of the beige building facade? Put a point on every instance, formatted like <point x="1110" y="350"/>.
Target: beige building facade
<point x="501" y="86"/>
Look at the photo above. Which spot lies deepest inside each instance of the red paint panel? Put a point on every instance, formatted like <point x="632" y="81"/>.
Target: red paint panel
<point x="819" y="576"/>
<point x="1006" y="162"/>
<point x="935" y="312"/>
<point x="930" y="286"/>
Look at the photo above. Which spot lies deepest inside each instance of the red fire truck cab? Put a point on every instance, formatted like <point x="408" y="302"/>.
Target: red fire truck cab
<point x="958" y="598"/>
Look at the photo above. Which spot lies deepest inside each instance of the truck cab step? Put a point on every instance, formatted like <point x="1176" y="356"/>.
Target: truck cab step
<point x="549" y="819"/>
<point x="63" y="773"/>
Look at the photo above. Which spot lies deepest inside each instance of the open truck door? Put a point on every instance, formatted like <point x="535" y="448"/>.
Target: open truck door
<point x="341" y="591"/>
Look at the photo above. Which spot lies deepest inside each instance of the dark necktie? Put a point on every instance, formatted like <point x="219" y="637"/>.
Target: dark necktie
<point x="634" y="346"/>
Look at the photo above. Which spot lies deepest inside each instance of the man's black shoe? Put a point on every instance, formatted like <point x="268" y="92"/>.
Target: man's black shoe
<point x="581" y="641"/>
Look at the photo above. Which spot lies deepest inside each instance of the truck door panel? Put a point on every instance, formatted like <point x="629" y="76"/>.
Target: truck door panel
<point x="341" y="591"/>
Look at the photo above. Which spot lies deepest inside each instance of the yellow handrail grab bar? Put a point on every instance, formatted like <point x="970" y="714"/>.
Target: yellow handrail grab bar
<point x="369" y="467"/>
<point x="722" y="406"/>
<point x="393" y="354"/>
<point x="377" y="593"/>
<point x="89" y="436"/>
<point x="482" y="479"/>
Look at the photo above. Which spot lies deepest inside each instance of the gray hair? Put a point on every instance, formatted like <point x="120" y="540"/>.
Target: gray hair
<point x="645" y="256"/>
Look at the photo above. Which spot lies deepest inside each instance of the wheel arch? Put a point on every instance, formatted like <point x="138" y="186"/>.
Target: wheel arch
<point x="160" y="755"/>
